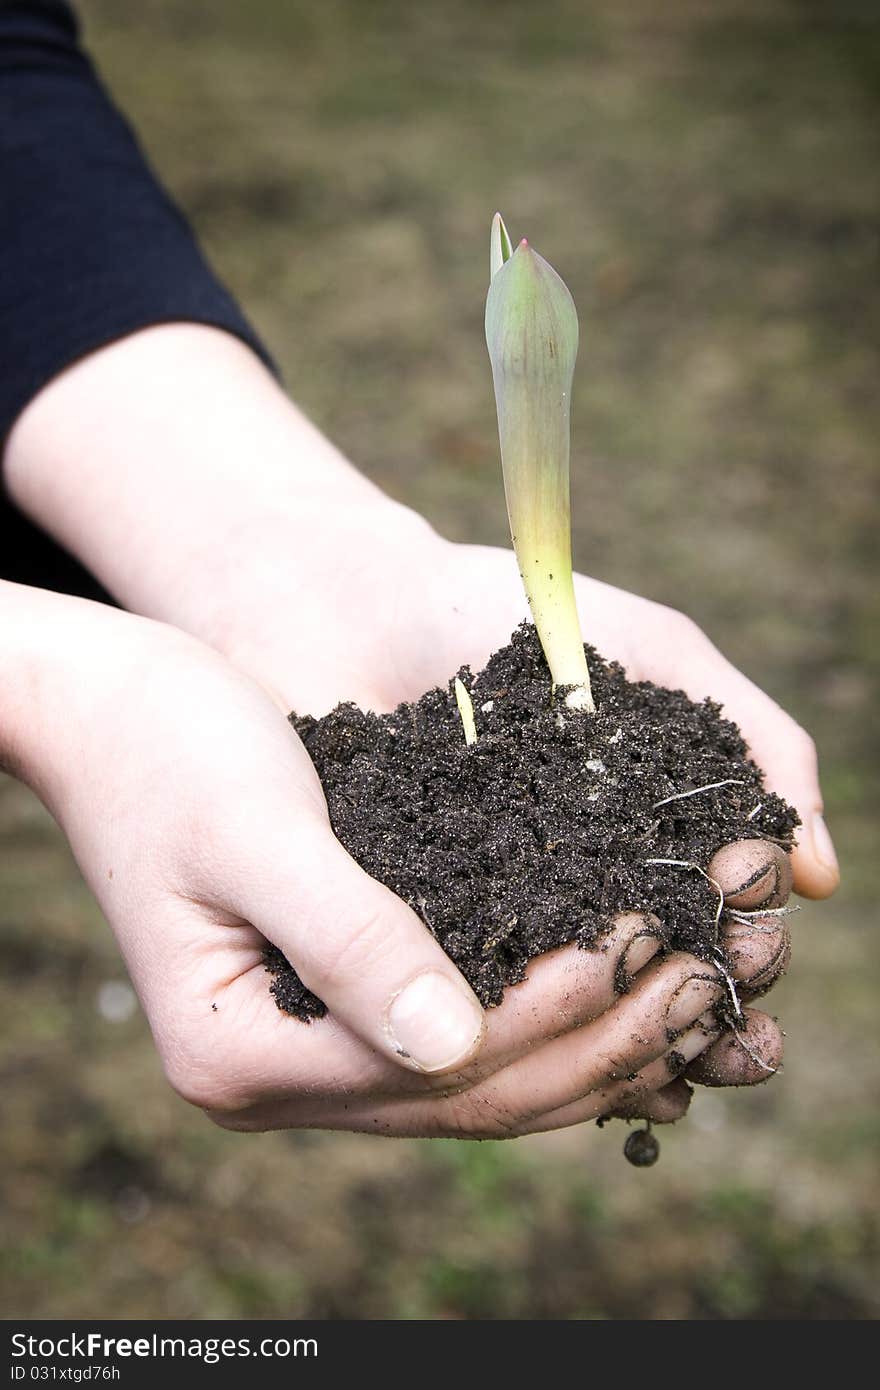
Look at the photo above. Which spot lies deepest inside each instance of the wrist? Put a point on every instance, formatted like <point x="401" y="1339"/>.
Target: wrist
<point x="67" y="667"/>
<point x="307" y="627"/>
<point x="161" y="457"/>
<point x="46" y="669"/>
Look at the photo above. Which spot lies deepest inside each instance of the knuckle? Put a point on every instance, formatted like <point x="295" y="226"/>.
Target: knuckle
<point x="476" y="1114"/>
<point x="757" y="954"/>
<point x="679" y="968"/>
<point x="804" y="745"/>
<point x="262" y="1114"/>
<point x="683" y="628"/>
<point x="203" y="1083"/>
<point x="636" y="937"/>
<point x="628" y="926"/>
<point x="764" y="975"/>
<point x="761" y="872"/>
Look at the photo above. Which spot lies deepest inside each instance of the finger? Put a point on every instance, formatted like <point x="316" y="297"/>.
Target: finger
<point x="673" y="651"/>
<point x="227" y="1048"/>
<point x="486" y="1110"/>
<point x="745" y="1057"/>
<point x="784" y="751"/>
<point x="344" y="1098"/>
<point x="657" y="1093"/>
<point x="358" y="947"/>
<point x="661" y="1107"/>
<point x="639" y="1096"/>
<point x="566" y="988"/>
<point x="665" y="1000"/>
<point x="758" y="951"/>
<point x="249" y="1054"/>
<point x="261" y="1052"/>
<point x="752" y="873"/>
<point x="354" y="944"/>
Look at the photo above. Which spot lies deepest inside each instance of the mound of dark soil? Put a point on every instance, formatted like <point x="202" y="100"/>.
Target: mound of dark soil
<point x="553" y="821"/>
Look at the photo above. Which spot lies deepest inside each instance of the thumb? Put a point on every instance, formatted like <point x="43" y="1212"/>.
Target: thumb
<point x="784" y="751"/>
<point x="362" y="951"/>
<point x="787" y="755"/>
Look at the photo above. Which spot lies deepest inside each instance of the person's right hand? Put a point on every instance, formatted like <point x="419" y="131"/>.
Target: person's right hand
<point x="199" y="823"/>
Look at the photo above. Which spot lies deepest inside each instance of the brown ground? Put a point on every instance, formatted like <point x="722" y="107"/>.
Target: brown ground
<point x="705" y="177"/>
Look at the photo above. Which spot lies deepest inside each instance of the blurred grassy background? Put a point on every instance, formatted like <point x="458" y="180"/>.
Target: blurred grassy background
<point x="705" y="176"/>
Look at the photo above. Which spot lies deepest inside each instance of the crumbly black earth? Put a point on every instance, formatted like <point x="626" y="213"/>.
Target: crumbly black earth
<point x="537" y="834"/>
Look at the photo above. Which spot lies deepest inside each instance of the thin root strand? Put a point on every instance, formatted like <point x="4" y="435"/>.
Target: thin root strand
<point x="688" y="864"/>
<point x="750" y="1052"/>
<point x="696" y="791"/>
<point x="738" y="1014"/>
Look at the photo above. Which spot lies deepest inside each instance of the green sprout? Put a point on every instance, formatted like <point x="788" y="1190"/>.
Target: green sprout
<point x="532" y="336"/>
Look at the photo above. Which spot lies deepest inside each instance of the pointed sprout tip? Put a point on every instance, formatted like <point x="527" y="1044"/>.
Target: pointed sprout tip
<point x="500" y="249"/>
<point x="466" y="711"/>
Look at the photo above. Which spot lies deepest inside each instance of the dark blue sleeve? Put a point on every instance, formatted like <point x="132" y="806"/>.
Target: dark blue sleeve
<point x="91" y="246"/>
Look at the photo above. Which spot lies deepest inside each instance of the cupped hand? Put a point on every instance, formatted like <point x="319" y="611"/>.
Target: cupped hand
<point x="199" y="823"/>
<point x="396" y="613"/>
